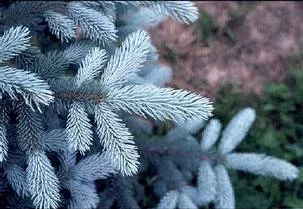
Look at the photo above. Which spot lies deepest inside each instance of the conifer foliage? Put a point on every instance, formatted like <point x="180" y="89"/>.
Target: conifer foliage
<point x="213" y="181"/>
<point x="78" y="85"/>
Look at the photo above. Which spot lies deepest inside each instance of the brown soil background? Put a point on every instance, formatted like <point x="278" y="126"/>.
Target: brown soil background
<point x="270" y="32"/>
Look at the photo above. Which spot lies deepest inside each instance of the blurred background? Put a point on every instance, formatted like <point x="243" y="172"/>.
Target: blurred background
<point x="243" y="54"/>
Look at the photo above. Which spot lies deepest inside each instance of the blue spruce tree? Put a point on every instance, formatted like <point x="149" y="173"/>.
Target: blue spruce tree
<point x="79" y="82"/>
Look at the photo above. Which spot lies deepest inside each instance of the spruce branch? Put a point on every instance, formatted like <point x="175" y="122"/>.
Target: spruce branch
<point x="170" y="200"/>
<point x="236" y="130"/>
<point x="225" y="194"/>
<point x="3" y="133"/>
<point x="91" y="65"/>
<point x="116" y="139"/>
<point x="83" y="195"/>
<point x="185" y="202"/>
<point x="55" y="140"/>
<point x="159" y="103"/>
<point x="93" y="167"/>
<point x="50" y="65"/>
<point x="16" y="177"/>
<point x="95" y="24"/>
<point x="42" y="180"/>
<point x="28" y="13"/>
<point x="13" y="42"/>
<point x="29" y="129"/>
<point x="207" y="182"/>
<point x="76" y="51"/>
<point x="33" y="90"/>
<point x="78" y="128"/>
<point x="211" y="134"/>
<point x="183" y="11"/>
<point x="60" y="25"/>
<point x="127" y="60"/>
<point x="262" y="165"/>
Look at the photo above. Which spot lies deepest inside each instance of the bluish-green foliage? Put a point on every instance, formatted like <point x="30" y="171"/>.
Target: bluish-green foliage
<point x="179" y="159"/>
<point x="78" y="86"/>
